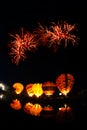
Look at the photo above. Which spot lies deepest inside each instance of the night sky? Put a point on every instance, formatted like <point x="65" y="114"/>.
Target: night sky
<point x="43" y="64"/>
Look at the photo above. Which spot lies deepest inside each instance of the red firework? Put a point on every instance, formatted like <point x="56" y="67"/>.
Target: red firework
<point x="20" y="45"/>
<point x="63" y="32"/>
<point x="42" y="34"/>
<point x="57" y="34"/>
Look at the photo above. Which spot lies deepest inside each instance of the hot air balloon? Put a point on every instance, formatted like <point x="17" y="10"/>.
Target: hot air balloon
<point x="49" y="88"/>
<point x="29" y="90"/>
<point x="65" y="82"/>
<point x="37" y="88"/>
<point x="18" y="87"/>
<point x="34" y="89"/>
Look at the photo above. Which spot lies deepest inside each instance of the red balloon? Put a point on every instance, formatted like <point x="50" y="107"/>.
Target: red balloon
<point x="65" y="82"/>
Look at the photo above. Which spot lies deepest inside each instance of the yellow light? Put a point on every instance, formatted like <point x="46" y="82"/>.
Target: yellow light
<point x="37" y="88"/>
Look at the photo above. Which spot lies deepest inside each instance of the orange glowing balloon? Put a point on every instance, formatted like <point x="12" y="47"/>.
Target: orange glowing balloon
<point x="34" y="89"/>
<point x="37" y="88"/>
<point x="29" y="90"/>
<point x="18" y="87"/>
<point x="49" y="88"/>
<point x="65" y="82"/>
<point x="16" y="104"/>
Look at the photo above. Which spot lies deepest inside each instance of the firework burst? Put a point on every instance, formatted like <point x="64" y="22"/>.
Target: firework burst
<point x="20" y="45"/>
<point x="56" y="34"/>
<point x="42" y="34"/>
<point x="63" y="32"/>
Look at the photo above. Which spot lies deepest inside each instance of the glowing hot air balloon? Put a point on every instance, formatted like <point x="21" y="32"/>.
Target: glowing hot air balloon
<point x="18" y="87"/>
<point x="34" y="89"/>
<point x="37" y="88"/>
<point x="65" y="82"/>
<point x="29" y="90"/>
<point x="49" y="88"/>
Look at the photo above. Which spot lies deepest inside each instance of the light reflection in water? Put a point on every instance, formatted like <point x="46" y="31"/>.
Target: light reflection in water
<point x="64" y="114"/>
<point x="33" y="109"/>
<point x="16" y="104"/>
<point x="2" y="96"/>
<point x="61" y="114"/>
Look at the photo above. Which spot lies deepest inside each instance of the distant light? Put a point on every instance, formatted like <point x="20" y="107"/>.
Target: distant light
<point x="60" y="93"/>
<point x="2" y="96"/>
<point x="59" y="108"/>
<point x="2" y="86"/>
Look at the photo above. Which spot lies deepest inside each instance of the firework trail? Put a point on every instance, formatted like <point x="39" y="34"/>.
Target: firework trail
<point x="42" y="35"/>
<point x="20" y="45"/>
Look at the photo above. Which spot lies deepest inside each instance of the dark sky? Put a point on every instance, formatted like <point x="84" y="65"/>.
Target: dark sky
<point x="43" y="65"/>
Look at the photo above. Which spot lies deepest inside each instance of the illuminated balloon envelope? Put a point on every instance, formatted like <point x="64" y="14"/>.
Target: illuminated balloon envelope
<point x="34" y="89"/>
<point x="16" y="104"/>
<point x="37" y="88"/>
<point x="29" y="90"/>
<point x="65" y="82"/>
<point x="18" y="87"/>
<point x="49" y="88"/>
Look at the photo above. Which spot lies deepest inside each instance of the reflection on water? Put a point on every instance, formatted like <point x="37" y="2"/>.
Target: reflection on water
<point x="15" y="104"/>
<point x="46" y="111"/>
<point x="61" y="111"/>
<point x="33" y="109"/>
<point x="64" y="114"/>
